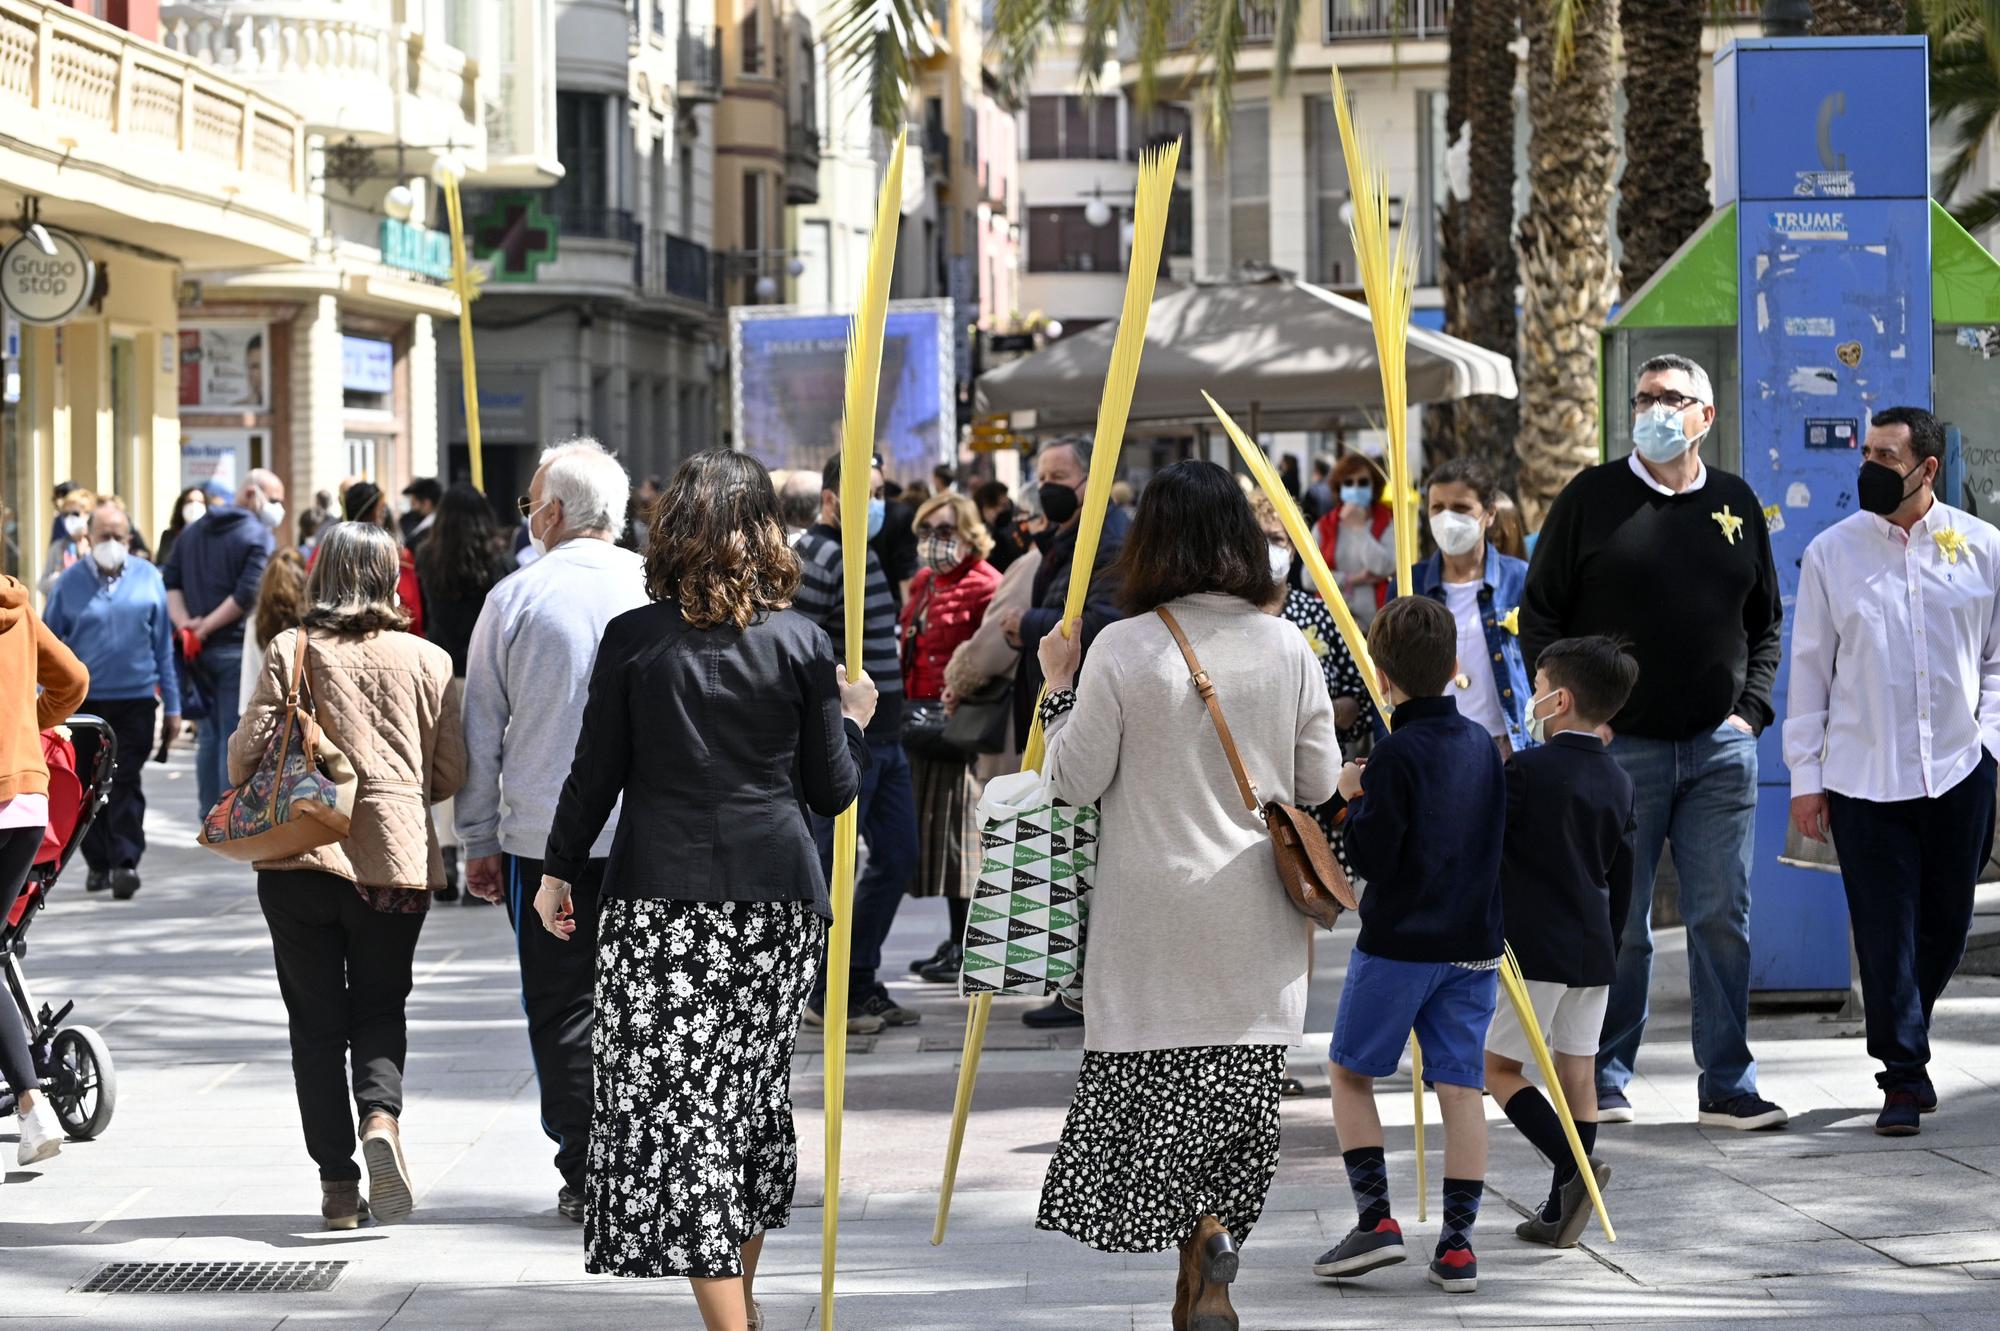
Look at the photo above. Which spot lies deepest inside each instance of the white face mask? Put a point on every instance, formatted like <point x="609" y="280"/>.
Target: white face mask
<point x="75" y="524"/>
<point x="109" y="554"/>
<point x="272" y="513"/>
<point x="192" y="512"/>
<point x="1538" y="726"/>
<point x="1455" y="533"/>
<point x="540" y="546"/>
<point x="1281" y="561"/>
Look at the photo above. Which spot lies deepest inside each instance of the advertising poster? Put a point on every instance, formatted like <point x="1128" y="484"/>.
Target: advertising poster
<point x="220" y="456"/>
<point x="223" y="366"/>
<point x="791" y="378"/>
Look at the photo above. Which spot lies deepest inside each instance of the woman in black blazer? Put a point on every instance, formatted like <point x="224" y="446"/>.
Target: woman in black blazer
<point x="719" y="716"/>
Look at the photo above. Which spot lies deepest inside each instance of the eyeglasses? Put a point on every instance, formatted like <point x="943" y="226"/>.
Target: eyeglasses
<point x="941" y="529"/>
<point x="1671" y="401"/>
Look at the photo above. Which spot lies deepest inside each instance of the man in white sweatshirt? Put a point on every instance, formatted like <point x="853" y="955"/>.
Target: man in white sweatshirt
<point x="527" y="673"/>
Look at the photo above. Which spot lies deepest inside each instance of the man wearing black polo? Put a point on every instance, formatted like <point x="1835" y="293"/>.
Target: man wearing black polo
<point x="1672" y="556"/>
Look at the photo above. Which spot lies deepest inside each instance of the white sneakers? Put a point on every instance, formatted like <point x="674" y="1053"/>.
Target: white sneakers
<point x="41" y="1133"/>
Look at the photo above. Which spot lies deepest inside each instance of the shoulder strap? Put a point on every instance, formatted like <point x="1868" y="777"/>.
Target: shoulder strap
<point x="1206" y="687"/>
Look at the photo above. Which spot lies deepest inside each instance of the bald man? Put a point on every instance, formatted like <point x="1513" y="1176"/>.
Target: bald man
<point x="211" y="576"/>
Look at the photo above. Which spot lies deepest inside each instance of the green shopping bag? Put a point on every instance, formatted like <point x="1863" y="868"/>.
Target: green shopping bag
<point x="1024" y="935"/>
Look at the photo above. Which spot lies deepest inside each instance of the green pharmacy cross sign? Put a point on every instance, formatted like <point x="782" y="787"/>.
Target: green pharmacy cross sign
<point x="516" y="234"/>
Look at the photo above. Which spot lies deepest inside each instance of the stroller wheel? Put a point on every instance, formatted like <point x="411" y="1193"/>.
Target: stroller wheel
<point x="82" y="1085"/>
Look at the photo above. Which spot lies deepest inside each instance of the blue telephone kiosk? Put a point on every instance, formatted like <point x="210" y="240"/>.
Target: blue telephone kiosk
<point x="1826" y="286"/>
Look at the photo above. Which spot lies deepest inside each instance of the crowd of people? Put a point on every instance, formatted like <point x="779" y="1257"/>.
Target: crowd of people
<point x="625" y="718"/>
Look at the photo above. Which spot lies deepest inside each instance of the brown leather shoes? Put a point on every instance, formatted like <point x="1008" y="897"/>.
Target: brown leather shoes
<point x="389" y="1190"/>
<point x="1215" y="1265"/>
<point x="340" y="1204"/>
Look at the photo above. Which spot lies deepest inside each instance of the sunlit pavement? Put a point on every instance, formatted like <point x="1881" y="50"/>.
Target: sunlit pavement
<point x="1822" y="1222"/>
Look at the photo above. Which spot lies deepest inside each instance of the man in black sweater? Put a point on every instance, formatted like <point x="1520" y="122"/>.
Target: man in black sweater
<point x="1673" y="558"/>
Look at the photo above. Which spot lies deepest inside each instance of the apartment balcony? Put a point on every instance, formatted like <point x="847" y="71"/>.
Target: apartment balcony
<point x="123" y="138"/>
<point x="366" y="68"/>
<point x="698" y="71"/>
<point x="801" y="164"/>
<point x="685" y="273"/>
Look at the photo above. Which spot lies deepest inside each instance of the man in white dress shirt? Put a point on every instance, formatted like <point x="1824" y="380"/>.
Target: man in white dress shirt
<point x="1893" y="727"/>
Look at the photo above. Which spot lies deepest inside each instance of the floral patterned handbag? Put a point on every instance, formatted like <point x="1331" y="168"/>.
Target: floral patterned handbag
<point x="300" y="797"/>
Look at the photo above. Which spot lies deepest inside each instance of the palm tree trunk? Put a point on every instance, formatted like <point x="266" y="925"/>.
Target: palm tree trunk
<point x="1663" y="197"/>
<point x="1859" y="18"/>
<point x="1441" y="420"/>
<point x="1565" y="247"/>
<point x="1489" y="274"/>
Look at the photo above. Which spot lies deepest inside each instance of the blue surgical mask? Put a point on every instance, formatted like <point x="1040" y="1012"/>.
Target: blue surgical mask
<point x="1659" y="437"/>
<point x="1361" y="496"/>
<point x="878" y="513"/>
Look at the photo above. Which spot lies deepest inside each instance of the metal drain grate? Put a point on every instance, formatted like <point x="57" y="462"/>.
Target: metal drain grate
<point x="214" y="1278"/>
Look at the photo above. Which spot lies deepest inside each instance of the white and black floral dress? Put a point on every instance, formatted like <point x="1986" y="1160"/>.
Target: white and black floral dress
<point x="692" y="1151"/>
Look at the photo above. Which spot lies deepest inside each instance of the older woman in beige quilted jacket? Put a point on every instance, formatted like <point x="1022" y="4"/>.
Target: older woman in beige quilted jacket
<point x="344" y="918"/>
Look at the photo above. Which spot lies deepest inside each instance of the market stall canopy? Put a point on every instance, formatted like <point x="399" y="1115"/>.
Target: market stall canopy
<point x="1293" y="355"/>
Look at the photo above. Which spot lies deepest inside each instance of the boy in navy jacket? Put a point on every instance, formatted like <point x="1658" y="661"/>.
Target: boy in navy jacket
<point x="1566" y="883"/>
<point x="1425" y="834"/>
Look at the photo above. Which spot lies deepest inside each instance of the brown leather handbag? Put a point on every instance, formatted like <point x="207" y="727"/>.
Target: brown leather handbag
<point x="1312" y="877"/>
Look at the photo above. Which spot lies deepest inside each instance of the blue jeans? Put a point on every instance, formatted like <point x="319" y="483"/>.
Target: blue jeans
<point x="888" y="809"/>
<point x="219" y="669"/>
<point x="1701" y="793"/>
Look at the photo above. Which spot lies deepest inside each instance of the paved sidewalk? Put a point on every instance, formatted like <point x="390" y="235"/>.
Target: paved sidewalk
<point x="1823" y="1223"/>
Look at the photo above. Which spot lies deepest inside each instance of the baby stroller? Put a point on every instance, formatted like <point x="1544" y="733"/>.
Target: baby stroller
<point x="73" y="1061"/>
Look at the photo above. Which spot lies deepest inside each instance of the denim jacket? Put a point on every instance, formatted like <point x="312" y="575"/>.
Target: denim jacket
<point x="1499" y="600"/>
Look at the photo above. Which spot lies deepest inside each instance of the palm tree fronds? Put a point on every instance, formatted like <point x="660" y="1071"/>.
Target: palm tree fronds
<point x="884" y="42"/>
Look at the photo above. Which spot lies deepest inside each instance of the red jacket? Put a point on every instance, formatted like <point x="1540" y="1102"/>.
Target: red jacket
<point x="1329" y="538"/>
<point x="942" y="612"/>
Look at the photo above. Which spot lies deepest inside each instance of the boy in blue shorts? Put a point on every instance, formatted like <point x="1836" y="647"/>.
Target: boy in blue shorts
<point x="1424" y="829"/>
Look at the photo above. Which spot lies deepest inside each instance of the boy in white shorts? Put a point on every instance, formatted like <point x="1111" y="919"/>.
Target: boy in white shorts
<point x="1565" y="886"/>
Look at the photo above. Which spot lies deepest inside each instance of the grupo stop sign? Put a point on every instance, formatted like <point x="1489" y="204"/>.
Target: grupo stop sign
<point x="44" y="288"/>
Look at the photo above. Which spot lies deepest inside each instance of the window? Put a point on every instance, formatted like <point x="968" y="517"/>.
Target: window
<point x="1166" y="122"/>
<point x="1433" y="183"/>
<point x="1062" y="240"/>
<point x="1180" y="225"/>
<point x="750" y="34"/>
<point x="685" y="178"/>
<point x="753" y="211"/>
<point x="1073" y="128"/>
<point x="581" y="119"/>
<point x="1333" y="248"/>
<point x="1249" y="177"/>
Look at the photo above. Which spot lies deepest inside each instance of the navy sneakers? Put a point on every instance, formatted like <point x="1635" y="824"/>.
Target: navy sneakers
<point x="1613" y="1107"/>
<point x="1363" y="1251"/>
<point x="1455" y="1271"/>
<point x="1748" y="1112"/>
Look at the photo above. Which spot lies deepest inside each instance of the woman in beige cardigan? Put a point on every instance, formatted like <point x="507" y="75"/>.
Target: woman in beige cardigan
<point x="344" y="918"/>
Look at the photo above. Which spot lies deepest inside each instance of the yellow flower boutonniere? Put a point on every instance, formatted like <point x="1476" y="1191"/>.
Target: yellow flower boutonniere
<point x="1732" y="526"/>
<point x="1949" y="543"/>
<point x="1511" y="621"/>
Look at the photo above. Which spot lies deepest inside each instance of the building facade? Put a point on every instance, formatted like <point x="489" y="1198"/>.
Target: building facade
<point x="599" y="312"/>
<point x="123" y="166"/>
<point x="326" y="370"/>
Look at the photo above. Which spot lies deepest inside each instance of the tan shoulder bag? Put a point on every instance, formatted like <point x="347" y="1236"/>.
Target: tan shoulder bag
<point x="1312" y="877"/>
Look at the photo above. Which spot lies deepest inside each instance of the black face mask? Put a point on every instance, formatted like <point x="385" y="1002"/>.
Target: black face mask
<point x="1881" y="490"/>
<point x="1059" y="503"/>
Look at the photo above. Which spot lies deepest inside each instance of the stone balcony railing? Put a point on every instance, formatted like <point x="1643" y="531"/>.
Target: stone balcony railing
<point x="106" y="99"/>
<point x="360" y="67"/>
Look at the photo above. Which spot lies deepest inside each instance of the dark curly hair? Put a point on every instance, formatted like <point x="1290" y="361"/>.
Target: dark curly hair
<point x="460" y="558"/>
<point x="717" y="544"/>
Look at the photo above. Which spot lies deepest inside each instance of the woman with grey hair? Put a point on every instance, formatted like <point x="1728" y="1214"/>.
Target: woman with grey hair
<point x="344" y="918"/>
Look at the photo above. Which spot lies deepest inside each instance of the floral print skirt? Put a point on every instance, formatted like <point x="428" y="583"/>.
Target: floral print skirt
<point x="692" y="1151"/>
<point x="1157" y="1139"/>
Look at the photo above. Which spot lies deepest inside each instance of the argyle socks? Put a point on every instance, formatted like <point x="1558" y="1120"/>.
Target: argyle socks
<point x="1461" y="1211"/>
<point x="1368" y="1175"/>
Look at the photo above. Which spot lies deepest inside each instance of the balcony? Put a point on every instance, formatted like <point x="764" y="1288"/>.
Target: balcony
<point x="591" y="222"/>
<point x="118" y="135"/>
<point x="1382" y="20"/>
<point x="801" y="164"/>
<point x="684" y="271"/>
<point x="698" y="71"/>
<point x="367" y="68"/>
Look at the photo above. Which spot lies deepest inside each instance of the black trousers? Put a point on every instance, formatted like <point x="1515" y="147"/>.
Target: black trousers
<point x="17" y="855"/>
<point x="1909" y="867"/>
<point x="344" y="971"/>
<point x="118" y="838"/>
<point x="559" y="994"/>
